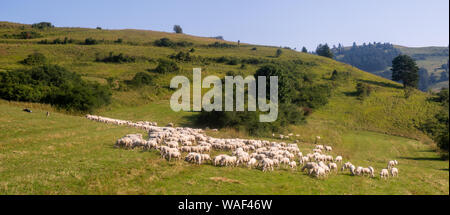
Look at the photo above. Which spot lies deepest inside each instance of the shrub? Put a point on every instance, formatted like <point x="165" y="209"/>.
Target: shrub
<point x="90" y="41"/>
<point x="35" y="59"/>
<point x="57" y="41"/>
<point x="120" y="58"/>
<point x="278" y="53"/>
<point x="141" y="79"/>
<point x="181" y="56"/>
<point x="248" y="121"/>
<point x="313" y="96"/>
<point x="363" y="90"/>
<point x="27" y="35"/>
<point x="166" y="66"/>
<point x="120" y="40"/>
<point x="42" y="25"/>
<point x="221" y="45"/>
<point x="164" y="42"/>
<point x="53" y="85"/>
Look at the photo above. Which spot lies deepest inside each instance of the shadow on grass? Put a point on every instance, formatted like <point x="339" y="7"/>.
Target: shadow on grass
<point x="445" y="169"/>
<point x="353" y="94"/>
<point x="382" y="84"/>
<point x="422" y="158"/>
<point x="190" y="121"/>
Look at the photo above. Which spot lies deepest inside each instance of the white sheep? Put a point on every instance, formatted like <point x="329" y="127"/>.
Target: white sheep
<point x="384" y="173"/>
<point x="394" y="172"/>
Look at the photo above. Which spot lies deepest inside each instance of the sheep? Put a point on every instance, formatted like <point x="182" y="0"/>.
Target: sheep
<point x="394" y="172"/>
<point x="358" y="170"/>
<point x="267" y="164"/>
<point x="392" y="163"/>
<point x="252" y="162"/>
<point x="170" y="141"/>
<point x="352" y="169"/>
<point x="333" y="166"/>
<point x="319" y="172"/>
<point x="366" y="171"/>
<point x="384" y="173"/>
<point x="346" y="165"/>
<point x="309" y="166"/>
<point x="293" y="164"/>
<point x="372" y="171"/>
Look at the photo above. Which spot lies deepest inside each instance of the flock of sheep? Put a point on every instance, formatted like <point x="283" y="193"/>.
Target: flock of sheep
<point x="171" y="142"/>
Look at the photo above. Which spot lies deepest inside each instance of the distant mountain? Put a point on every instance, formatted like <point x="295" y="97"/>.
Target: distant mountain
<point x="376" y="58"/>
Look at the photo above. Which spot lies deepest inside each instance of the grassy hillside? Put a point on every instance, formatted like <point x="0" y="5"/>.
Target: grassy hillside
<point x="67" y="154"/>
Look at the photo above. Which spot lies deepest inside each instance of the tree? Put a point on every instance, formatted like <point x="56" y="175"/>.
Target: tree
<point x="177" y="29"/>
<point x="404" y="69"/>
<point x="304" y="50"/>
<point x="324" y="51"/>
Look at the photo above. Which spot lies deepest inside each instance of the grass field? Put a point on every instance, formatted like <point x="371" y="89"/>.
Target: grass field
<point x="68" y="154"/>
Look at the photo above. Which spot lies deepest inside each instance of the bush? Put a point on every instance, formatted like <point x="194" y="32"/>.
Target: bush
<point x="57" y="41"/>
<point x="42" y="25"/>
<point x="26" y="35"/>
<point x="141" y="79"/>
<point x="166" y="42"/>
<point x="278" y="53"/>
<point x="120" y="58"/>
<point x="53" y="85"/>
<point x="181" y="56"/>
<point x="221" y="45"/>
<point x="90" y="41"/>
<point x="35" y="59"/>
<point x="313" y="96"/>
<point x="248" y="121"/>
<point x="363" y="90"/>
<point x="166" y="66"/>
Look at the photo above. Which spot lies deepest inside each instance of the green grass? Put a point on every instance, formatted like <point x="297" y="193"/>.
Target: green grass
<point x="68" y="154"/>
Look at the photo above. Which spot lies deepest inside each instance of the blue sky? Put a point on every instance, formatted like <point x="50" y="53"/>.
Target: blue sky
<point x="293" y="23"/>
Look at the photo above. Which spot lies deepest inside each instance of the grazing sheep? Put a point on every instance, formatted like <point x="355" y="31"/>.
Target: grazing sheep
<point x="372" y="172"/>
<point x="392" y="164"/>
<point x="252" y="162"/>
<point x="358" y="170"/>
<point x="328" y="148"/>
<point x="394" y="172"/>
<point x="352" y="169"/>
<point x="384" y="173"/>
<point x="309" y="166"/>
<point x="293" y="164"/>
<point x="333" y="166"/>
<point x="338" y="159"/>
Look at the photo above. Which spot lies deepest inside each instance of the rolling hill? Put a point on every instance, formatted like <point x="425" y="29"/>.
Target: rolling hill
<point x="67" y="154"/>
<point x="432" y="61"/>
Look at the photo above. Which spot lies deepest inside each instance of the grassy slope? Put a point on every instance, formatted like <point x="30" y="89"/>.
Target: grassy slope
<point x="68" y="154"/>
